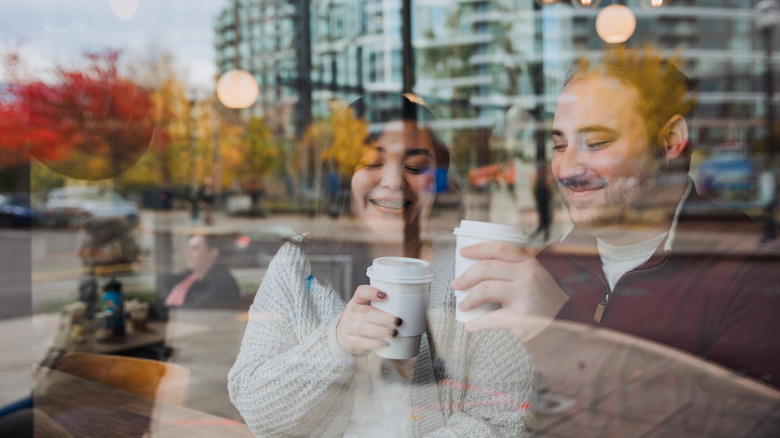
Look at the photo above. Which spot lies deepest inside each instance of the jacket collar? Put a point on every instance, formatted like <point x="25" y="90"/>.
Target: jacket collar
<point x="588" y="243"/>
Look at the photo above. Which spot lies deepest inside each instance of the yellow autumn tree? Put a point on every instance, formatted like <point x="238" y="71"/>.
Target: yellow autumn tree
<point x="167" y="161"/>
<point x="348" y="133"/>
<point x="248" y="152"/>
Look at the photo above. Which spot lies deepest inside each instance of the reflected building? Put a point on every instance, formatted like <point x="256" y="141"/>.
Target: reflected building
<point x="721" y="51"/>
<point x="261" y="37"/>
<point x="478" y="63"/>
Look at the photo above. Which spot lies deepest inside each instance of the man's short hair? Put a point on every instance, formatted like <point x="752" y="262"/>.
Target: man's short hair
<point x="663" y="90"/>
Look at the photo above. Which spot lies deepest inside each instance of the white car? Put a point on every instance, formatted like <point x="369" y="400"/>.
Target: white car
<point x="74" y="205"/>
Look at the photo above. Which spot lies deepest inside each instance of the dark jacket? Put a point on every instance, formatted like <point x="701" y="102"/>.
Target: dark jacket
<point x="217" y="289"/>
<point x="702" y="297"/>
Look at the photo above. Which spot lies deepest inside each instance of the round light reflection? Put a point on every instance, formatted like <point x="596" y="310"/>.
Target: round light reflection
<point x="124" y="9"/>
<point x="237" y="89"/>
<point x="648" y="4"/>
<point x="615" y="24"/>
<point x="585" y="4"/>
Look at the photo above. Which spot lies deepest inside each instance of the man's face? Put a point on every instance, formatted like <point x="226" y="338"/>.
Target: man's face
<point x="603" y="162"/>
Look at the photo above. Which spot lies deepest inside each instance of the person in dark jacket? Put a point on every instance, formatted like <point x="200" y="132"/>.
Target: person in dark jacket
<point x="644" y="263"/>
<point x="205" y="282"/>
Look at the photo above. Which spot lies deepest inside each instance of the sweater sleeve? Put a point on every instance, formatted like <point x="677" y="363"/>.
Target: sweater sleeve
<point x="291" y="378"/>
<point x="485" y="379"/>
<point x="489" y="390"/>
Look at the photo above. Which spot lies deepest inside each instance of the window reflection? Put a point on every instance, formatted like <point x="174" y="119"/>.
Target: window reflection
<point x="112" y="161"/>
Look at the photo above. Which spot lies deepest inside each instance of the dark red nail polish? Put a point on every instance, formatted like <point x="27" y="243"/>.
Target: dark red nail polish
<point x="398" y="321"/>
<point x="381" y="295"/>
<point x="395" y="333"/>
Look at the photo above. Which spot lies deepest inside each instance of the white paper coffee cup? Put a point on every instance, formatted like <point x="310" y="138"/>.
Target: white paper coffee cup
<point x="471" y="233"/>
<point x="407" y="283"/>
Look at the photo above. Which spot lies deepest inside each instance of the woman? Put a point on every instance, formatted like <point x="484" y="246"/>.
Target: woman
<point x="205" y="282"/>
<point x="305" y="367"/>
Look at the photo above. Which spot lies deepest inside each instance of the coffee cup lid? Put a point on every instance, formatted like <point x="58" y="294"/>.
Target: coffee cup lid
<point x="490" y="231"/>
<point x="403" y="270"/>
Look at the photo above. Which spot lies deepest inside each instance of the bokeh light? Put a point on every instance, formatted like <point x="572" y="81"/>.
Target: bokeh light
<point x="615" y="24"/>
<point x="124" y="9"/>
<point x="237" y="89"/>
<point x="652" y="4"/>
<point x="586" y="4"/>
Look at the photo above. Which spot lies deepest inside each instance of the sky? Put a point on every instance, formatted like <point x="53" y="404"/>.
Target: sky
<point x="57" y="32"/>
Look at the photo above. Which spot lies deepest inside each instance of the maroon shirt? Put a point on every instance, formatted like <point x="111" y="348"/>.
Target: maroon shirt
<point x="700" y="297"/>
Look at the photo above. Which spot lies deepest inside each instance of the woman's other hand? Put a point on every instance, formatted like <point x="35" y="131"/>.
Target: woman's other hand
<point x="363" y="328"/>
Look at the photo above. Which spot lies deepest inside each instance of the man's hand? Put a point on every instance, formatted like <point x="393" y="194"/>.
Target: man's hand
<point x="361" y="327"/>
<point x="529" y="296"/>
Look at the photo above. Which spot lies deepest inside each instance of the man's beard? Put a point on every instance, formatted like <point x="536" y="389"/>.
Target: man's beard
<point x="623" y="203"/>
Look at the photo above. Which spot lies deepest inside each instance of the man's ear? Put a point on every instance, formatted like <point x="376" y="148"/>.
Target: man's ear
<point x="675" y="138"/>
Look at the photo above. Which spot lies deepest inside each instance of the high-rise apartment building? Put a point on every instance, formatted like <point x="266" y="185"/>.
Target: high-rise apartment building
<point x="479" y="63"/>
<point x="261" y="37"/>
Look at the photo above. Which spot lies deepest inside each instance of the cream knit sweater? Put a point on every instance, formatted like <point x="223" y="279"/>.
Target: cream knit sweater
<point x="291" y="378"/>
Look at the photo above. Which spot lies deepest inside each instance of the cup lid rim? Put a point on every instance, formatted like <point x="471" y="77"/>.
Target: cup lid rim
<point x="417" y="270"/>
<point x="490" y="231"/>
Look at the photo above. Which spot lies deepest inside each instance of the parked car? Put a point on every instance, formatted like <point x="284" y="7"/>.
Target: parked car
<point x="19" y="210"/>
<point x="75" y="205"/>
<point x="728" y="178"/>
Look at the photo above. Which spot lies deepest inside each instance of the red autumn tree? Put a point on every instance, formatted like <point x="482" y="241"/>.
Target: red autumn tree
<point x="88" y="124"/>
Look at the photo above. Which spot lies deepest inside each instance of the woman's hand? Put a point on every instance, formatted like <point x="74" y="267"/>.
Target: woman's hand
<point x="363" y="328"/>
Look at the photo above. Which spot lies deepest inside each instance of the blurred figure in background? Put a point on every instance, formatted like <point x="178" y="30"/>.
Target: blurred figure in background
<point x="542" y="196"/>
<point x="205" y="283"/>
<point x="256" y="189"/>
<point x="207" y="197"/>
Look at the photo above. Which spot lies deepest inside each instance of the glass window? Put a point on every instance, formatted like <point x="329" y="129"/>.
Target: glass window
<point x="229" y="253"/>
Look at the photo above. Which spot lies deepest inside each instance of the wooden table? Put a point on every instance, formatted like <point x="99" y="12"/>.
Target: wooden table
<point x="154" y="334"/>
<point x="615" y="385"/>
<point x="82" y="408"/>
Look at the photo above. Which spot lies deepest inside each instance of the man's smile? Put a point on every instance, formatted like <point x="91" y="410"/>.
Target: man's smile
<point x="582" y="188"/>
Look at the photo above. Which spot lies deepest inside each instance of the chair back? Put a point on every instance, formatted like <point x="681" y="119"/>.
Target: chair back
<point x="157" y="380"/>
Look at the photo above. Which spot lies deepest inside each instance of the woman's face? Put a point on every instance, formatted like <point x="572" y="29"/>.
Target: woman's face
<point x="394" y="182"/>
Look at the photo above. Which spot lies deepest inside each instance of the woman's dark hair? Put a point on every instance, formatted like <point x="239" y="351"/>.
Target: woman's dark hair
<point x="376" y="111"/>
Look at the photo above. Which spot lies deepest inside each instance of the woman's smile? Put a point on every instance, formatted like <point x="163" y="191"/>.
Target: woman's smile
<point x="390" y="205"/>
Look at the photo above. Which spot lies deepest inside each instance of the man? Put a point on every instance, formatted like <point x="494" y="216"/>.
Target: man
<point x="644" y="266"/>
